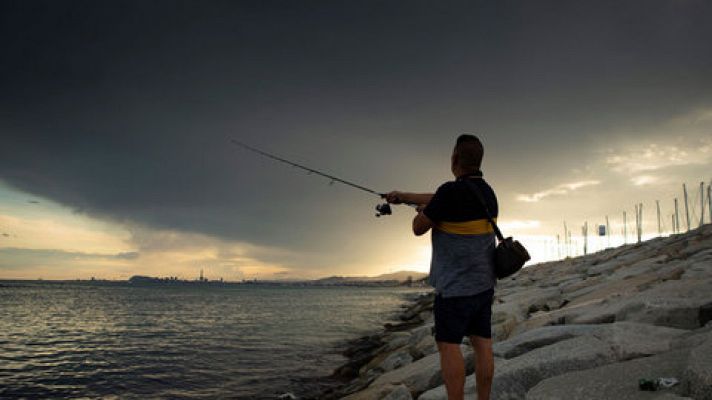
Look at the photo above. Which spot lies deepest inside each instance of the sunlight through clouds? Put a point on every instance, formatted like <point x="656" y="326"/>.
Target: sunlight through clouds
<point x="644" y="180"/>
<point x="654" y="157"/>
<point x="562" y="189"/>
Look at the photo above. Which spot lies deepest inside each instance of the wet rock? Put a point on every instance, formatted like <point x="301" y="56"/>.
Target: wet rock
<point x="417" y="334"/>
<point x="425" y="347"/>
<point x="423" y="374"/>
<point x="417" y="376"/>
<point x="396" y="340"/>
<point x="396" y="360"/>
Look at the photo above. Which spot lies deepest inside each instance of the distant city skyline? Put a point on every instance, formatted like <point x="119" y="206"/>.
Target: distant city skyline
<point x="116" y="120"/>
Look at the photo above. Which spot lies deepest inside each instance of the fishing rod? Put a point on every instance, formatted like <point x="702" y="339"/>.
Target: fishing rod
<point x="381" y="209"/>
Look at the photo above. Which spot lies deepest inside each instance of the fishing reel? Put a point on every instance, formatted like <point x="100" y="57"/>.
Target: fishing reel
<point x="383" y="209"/>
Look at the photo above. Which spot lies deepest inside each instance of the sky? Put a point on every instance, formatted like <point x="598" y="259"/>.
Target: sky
<point x="115" y="120"/>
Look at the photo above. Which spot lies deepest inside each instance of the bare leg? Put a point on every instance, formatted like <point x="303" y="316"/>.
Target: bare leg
<point x="453" y="370"/>
<point x="484" y="366"/>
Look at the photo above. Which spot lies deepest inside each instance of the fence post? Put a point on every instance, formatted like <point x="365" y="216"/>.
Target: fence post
<point x="702" y="203"/>
<point x="687" y="210"/>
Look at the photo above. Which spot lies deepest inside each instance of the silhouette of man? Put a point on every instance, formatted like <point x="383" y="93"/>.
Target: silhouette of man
<point x="462" y="265"/>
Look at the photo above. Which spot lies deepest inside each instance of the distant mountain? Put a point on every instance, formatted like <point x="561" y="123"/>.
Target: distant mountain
<point x="400" y="276"/>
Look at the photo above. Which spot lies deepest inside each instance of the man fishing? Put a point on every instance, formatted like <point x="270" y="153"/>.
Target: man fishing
<point x="462" y="265"/>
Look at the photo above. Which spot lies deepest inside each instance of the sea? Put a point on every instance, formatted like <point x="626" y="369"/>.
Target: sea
<point x="78" y="340"/>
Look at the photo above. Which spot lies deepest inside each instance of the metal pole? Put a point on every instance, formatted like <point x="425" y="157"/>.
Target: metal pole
<point x="608" y="232"/>
<point x="677" y="218"/>
<point x="702" y="203"/>
<point x="640" y="222"/>
<point x="637" y="222"/>
<point x="660" y="229"/>
<point x="687" y="210"/>
<point x="672" y="217"/>
<point x="625" y="229"/>
<point x="709" y="200"/>
<point x="584" y="230"/>
<point x="567" y="240"/>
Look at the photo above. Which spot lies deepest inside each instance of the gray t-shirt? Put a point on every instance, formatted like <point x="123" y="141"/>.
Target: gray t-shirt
<point x="462" y="239"/>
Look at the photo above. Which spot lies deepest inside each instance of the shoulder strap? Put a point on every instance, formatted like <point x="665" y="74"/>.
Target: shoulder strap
<point x="478" y="194"/>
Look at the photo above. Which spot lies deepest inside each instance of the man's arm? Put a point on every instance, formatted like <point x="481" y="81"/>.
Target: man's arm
<point x="421" y="223"/>
<point x="396" y="197"/>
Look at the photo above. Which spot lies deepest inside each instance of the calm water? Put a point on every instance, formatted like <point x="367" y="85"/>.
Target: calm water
<point x="68" y="340"/>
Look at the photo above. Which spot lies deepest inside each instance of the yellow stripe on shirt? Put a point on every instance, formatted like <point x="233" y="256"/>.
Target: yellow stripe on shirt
<point x="474" y="227"/>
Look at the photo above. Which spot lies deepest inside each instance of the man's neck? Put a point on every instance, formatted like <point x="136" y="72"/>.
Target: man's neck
<point x="465" y="175"/>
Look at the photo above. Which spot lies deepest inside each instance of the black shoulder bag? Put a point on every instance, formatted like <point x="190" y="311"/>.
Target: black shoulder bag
<point x="510" y="256"/>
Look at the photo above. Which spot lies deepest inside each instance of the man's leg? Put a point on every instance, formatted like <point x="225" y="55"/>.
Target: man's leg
<point x="453" y="370"/>
<point x="484" y="366"/>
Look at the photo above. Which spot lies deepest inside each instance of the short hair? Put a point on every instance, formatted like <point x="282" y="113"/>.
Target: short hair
<point x="469" y="152"/>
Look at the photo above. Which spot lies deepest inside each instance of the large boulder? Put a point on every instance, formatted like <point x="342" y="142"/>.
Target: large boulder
<point x="373" y="392"/>
<point x="401" y="392"/>
<point x="422" y="374"/>
<point x="539" y="337"/>
<point x="395" y="340"/>
<point x="612" y="290"/>
<point x="440" y="393"/>
<point x="698" y="374"/>
<point x="425" y="347"/>
<point x="580" y="286"/>
<point x="396" y="360"/>
<point x="675" y="303"/>
<point x="614" y="381"/>
<point x="631" y="340"/>
<point x="417" y="334"/>
<point x="515" y="376"/>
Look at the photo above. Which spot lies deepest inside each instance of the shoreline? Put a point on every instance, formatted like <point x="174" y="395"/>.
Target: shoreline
<point x="362" y="351"/>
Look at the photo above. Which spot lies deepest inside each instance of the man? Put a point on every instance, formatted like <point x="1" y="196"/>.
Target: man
<point x="462" y="265"/>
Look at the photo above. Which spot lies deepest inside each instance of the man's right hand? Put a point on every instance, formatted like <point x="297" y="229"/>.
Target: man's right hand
<point x="395" y="197"/>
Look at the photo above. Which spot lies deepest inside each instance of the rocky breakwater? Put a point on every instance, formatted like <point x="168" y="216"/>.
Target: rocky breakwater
<point x="582" y="328"/>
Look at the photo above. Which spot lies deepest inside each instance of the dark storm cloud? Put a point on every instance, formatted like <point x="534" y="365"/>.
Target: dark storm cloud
<point x="122" y="110"/>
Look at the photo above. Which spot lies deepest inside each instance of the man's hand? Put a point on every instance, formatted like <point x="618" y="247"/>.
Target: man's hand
<point x="395" y="197"/>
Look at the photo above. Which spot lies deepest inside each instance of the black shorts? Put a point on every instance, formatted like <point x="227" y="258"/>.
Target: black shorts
<point x="457" y="317"/>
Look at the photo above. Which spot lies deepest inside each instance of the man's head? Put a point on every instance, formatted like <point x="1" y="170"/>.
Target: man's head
<point x="467" y="155"/>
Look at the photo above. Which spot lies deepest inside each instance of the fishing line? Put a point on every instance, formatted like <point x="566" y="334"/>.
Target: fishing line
<point x="382" y="209"/>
